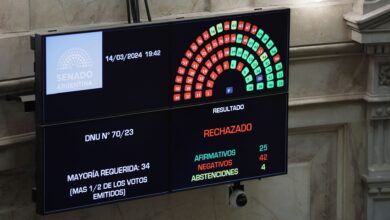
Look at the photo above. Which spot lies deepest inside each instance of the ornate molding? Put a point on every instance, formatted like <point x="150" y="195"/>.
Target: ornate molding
<point x="370" y="5"/>
<point x="384" y="74"/>
<point x="377" y="185"/>
<point x="378" y="142"/>
<point x="368" y="20"/>
<point x="379" y="111"/>
<point x="372" y="27"/>
<point x="378" y="191"/>
<point x="377" y="49"/>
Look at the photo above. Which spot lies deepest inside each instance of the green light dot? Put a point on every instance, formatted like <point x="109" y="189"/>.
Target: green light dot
<point x="233" y="25"/>
<point x="233" y="64"/>
<point x="245" y="71"/>
<point x="263" y="57"/>
<point x="219" y="27"/>
<point x="265" y="38"/>
<point x="245" y="54"/>
<point x="239" y="38"/>
<point x="248" y="79"/>
<point x="254" y="64"/>
<point x="255" y="46"/>
<point x="270" y="84"/>
<point x="260" y="33"/>
<point x="270" y="77"/>
<point x="212" y="31"/>
<point x="266" y="63"/>
<point x="250" y="42"/>
<point x="280" y="83"/>
<point x="249" y="87"/>
<point x="273" y="51"/>
<point x="233" y="51"/>
<point x="270" y="44"/>
<point x="250" y="59"/>
<point x="257" y="71"/>
<point x="278" y="66"/>
<point x="268" y="70"/>
<point x="260" y="86"/>
<point x="279" y="74"/>
<point x="239" y="52"/>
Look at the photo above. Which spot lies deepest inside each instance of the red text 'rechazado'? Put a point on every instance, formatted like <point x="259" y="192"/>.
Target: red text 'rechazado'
<point x="227" y="130"/>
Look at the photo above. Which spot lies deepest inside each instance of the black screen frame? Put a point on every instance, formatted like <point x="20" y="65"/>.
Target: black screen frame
<point x="39" y="67"/>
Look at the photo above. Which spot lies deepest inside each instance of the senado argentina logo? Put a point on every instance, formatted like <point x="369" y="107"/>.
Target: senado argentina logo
<point x="74" y="58"/>
<point x="74" y="62"/>
<point x="74" y="69"/>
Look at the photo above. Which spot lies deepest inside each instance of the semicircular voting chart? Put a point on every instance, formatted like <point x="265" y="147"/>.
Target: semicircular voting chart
<point x="225" y="48"/>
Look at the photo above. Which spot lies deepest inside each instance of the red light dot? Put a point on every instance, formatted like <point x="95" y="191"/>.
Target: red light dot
<point x="201" y="78"/>
<point x="240" y="25"/>
<point x="209" y="48"/>
<point x="187" y="96"/>
<point x="226" y="52"/>
<point x="254" y="29"/>
<point x="187" y="88"/>
<point x="199" y="40"/>
<point x="245" y="40"/>
<point x="214" y="58"/>
<point x="233" y="38"/>
<point x="184" y="62"/>
<point x="194" y="47"/>
<point x="204" y="70"/>
<point x="210" y="83"/>
<point x="189" y="54"/>
<point x="227" y="39"/>
<point x="206" y="35"/>
<point x="177" y="88"/>
<point x="209" y="93"/>
<point x="179" y="79"/>
<point x="220" y="41"/>
<point x="276" y="58"/>
<point x="195" y="65"/>
<point x="176" y="97"/>
<point x="214" y="43"/>
<point x="213" y="76"/>
<point x="209" y="64"/>
<point x="226" y="65"/>
<point x="219" y="69"/>
<point x="181" y="70"/>
<point x="199" y="86"/>
<point x="189" y="80"/>
<point x="203" y="52"/>
<point x="240" y="66"/>
<point x="198" y="58"/>
<point x="198" y="94"/>
<point x="191" y="72"/>
<point x="260" y="51"/>
<point x="226" y="25"/>
<point x="248" y="26"/>
<point x="220" y="54"/>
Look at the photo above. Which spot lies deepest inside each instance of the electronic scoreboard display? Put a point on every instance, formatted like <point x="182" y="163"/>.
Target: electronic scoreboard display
<point x="146" y="109"/>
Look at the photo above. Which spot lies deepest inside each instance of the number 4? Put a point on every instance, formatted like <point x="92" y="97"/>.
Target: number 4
<point x="263" y="167"/>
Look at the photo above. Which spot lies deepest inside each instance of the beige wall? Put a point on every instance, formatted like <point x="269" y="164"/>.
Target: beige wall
<point x="327" y="139"/>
